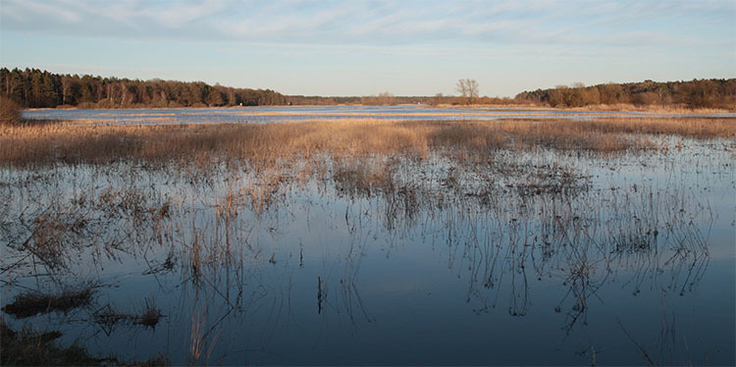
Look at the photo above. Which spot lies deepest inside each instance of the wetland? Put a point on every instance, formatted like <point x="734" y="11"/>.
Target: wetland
<point x="359" y="239"/>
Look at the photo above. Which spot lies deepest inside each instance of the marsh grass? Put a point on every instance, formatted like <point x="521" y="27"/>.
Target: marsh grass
<point x="32" y="303"/>
<point x="31" y="348"/>
<point x="108" y="317"/>
<point x="28" y="348"/>
<point x="272" y="144"/>
<point x="509" y="201"/>
<point x="654" y="108"/>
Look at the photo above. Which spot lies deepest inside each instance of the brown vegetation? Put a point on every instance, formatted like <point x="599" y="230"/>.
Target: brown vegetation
<point x="31" y="348"/>
<point x="27" y="348"/>
<point x="32" y="303"/>
<point x="383" y="99"/>
<point x="505" y="201"/>
<point x="9" y="111"/>
<point x="46" y="144"/>
<point x="468" y="89"/>
<point x="703" y="93"/>
<point x="108" y="317"/>
<point x="656" y="109"/>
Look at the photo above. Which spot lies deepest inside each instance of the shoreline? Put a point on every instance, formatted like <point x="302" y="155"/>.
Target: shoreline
<point x="679" y="110"/>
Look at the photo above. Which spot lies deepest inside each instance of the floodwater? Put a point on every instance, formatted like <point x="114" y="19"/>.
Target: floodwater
<point x="544" y="258"/>
<point x="292" y="113"/>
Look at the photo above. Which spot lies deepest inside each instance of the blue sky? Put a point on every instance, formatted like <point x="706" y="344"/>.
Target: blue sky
<point x="368" y="47"/>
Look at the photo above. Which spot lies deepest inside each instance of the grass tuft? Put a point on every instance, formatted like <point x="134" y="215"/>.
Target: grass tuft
<point x="32" y="303"/>
<point x="27" y="348"/>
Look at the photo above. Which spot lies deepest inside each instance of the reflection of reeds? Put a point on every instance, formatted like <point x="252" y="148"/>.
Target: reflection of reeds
<point x="107" y="317"/>
<point x="263" y="190"/>
<point x="586" y="246"/>
<point x="510" y="201"/>
<point x="668" y="348"/>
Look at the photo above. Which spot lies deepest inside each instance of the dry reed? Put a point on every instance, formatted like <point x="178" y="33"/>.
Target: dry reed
<point x="263" y="145"/>
<point x="32" y="303"/>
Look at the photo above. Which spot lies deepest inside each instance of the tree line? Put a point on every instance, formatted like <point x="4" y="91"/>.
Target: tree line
<point x="703" y="93"/>
<point x="34" y="88"/>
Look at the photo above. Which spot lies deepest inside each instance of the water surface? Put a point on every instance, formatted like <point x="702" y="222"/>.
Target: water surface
<point x="298" y="113"/>
<point x="542" y="257"/>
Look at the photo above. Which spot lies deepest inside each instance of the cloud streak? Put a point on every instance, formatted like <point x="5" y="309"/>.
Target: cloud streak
<point x="383" y="22"/>
<point x="364" y="47"/>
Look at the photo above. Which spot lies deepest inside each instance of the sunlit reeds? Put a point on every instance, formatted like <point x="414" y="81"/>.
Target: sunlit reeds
<point x="218" y="213"/>
<point x="265" y="144"/>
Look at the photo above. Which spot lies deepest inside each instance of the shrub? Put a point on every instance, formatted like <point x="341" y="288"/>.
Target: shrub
<point x="646" y="99"/>
<point x="86" y="106"/>
<point x="9" y="112"/>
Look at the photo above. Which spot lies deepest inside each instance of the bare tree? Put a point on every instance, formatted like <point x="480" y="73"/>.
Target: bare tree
<point x="66" y="84"/>
<point x="468" y="89"/>
<point x="383" y="99"/>
<point x="386" y="98"/>
<point x="436" y="100"/>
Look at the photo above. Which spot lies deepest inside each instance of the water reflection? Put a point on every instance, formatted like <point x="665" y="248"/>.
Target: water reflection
<point x="251" y="270"/>
<point x="299" y="113"/>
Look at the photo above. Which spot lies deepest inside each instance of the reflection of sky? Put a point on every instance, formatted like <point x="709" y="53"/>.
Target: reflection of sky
<point x="694" y="174"/>
<point x="298" y="113"/>
<point x="366" y="47"/>
<point x="424" y="300"/>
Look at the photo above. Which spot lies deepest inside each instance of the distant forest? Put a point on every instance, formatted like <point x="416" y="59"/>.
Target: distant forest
<point x="703" y="93"/>
<point x="33" y="88"/>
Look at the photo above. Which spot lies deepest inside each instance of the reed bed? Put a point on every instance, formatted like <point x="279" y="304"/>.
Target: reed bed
<point x="63" y="143"/>
<point x="507" y="202"/>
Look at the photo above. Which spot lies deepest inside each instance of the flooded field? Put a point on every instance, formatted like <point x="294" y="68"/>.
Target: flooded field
<point x="543" y="242"/>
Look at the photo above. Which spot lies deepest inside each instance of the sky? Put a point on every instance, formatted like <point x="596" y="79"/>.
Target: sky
<point x="345" y="48"/>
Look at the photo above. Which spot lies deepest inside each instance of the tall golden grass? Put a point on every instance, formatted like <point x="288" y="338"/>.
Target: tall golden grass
<point x="652" y="108"/>
<point x="59" y="142"/>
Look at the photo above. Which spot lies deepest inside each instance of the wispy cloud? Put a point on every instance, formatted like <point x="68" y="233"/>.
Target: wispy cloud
<point x="295" y="43"/>
<point x="370" y="22"/>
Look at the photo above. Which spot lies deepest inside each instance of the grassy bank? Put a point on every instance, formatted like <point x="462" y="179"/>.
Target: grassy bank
<point x="31" y="348"/>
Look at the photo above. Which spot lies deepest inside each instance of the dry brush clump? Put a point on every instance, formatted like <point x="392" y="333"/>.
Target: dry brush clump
<point x="9" y="112"/>
<point x="108" y="317"/>
<point x="27" y="347"/>
<point x="33" y="303"/>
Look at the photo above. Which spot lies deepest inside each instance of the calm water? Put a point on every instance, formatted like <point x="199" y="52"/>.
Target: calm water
<point x="451" y="265"/>
<point x="281" y="113"/>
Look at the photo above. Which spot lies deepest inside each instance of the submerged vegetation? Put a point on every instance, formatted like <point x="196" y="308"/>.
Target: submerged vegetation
<point x="31" y="348"/>
<point x="250" y="237"/>
<point x="32" y="303"/>
<point x="27" y="348"/>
